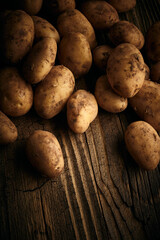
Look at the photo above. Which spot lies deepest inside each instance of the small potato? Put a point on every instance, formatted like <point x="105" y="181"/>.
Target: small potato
<point x="143" y="143"/>
<point x="16" y="96"/>
<point x="40" y="60"/>
<point x="17" y="36"/>
<point x="126" y="32"/>
<point x="53" y="92"/>
<point x="100" y="14"/>
<point x="8" y="131"/>
<point x="55" y="7"/>
<point x="44" y="29"/>
<point x="74" y="21"/>
<point x="44" y="153"/>
<point x="147" y="72"/>
<point x="101" y="55"/>
<point x="32" y="7"/>
<point x="123" y="5"/>
<point x="75" y="53"/>
<point x="107" y="98"/>
<point x="153" y="42"/>
<point x="125" y="70"/>
<point x="82" y="109"/>
<point x="155" y="72"/>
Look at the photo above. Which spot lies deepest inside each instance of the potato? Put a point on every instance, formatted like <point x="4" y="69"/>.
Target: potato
<point x="44" y="29"/>
<point x="147" y="71"/>
<point x="8" y="131"/>
<point x="155" y="72"/>
<point x="125" y="70"/>
<point x="107" y="98"/>
<point x="100" y="14"/>
<point x="40" y="60"/>
<point x="74" y="21"/>
<point x="17" y="36"/>
<point x="44" y="153"/>
<point x="75" y="53"/>
<point x="146" y="103"/>
<point x="16" y="96"/>
<point x="32" y="7"/>
<point x="53" y="92"/>
<point x="82" y="109"/>
<point x="100" y="56"/>
<point x="153" y="42"/>
<point x="122" y="5"/>
<point x="126" y="32"/>
<point x="55" y="7"/>
<point x="143" y="143"/>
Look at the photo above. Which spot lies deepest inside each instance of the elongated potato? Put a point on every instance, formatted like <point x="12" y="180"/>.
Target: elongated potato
<point x="53" y="92"/>
<point x="40" y="60"/>
<point x="100" y="56"/>
<point x="8" y="131"/>
<point x="143" y="143"/>
<point x="146" y="103"/>
<point x="44" y="153"/>
<point x="123" y="5"/>
<point x="107" y="98"/>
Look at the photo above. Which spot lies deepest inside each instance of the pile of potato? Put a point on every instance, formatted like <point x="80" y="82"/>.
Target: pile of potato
<point x="50" y="59"/>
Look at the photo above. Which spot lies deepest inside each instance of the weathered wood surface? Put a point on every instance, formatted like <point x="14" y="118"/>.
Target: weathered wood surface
<point x="101" y="194"/>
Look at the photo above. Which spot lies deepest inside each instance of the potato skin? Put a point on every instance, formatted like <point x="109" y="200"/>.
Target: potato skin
<point x="100" y="14"/>
<point x="143" y="143"/>
<point x="74" y="21"/>
<point x="44" y="153"/>
<point x="122" y="5"/>
<point x="125" y="70"/>
<point x="16" y="96"/>
<point x="40" y="60"/>
<point x="53" y="92"/>
<point x="147" y="71"/>
<point x="55" y="7"/>
<point x="146" y="103"/>
<point x="8" y="131"/>
<point x="100" y="56"/>
<point x="30" y="6"/>
<point x="75" y="53"/>
<point x="44" y="29"/>
<point x="107" y="98"/>
<point x="82" y="109"/>
<point x="155" y="72"/>
<point x="126" y="32"/>
<point x="17" y="36"/>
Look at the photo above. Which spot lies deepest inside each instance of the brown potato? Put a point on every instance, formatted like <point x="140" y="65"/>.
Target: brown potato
<point x="16" y="96"/>
<point x="74" y="21"/>
<point x="123" y="5"/>
<point x="155" y="72"/>
<point x="147" y="72"/>
<point x="44" y="29"/>
<point x="143" y="143"/>
<point x="53" y="92"/>
<point x="75" y="53"/>
<point x="125" y="70"/>
<point x="32" y="7"/>
<point x="100" y="14"/>
<point x="126" y="32"/>
<point x="17" y="36"/>
<point x="146" y="103"/>
<point x="44" y="153"/>
<point x="107" y="98"/>
<point x="100" y="56"/>
<point x="82" y="109"/>
<point x="55" y="7"/>
<point x="40" y="60"/>
<point x="8" y="131"/>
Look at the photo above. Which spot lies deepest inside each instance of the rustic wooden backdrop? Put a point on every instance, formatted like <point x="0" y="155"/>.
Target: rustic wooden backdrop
<point x="101" y="194"/>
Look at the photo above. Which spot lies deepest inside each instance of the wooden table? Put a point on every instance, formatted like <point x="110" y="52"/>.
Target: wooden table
<point x="101" y="194"/>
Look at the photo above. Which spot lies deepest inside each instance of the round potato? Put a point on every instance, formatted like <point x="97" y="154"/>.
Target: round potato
<point x="55" y="7"/>
<point x="74" y="21"/>
<point x="126" y="32"/>
<point x="44" y="29"/>
<point x="153" y="42"/>
<point x="155" y="72"/>
<point x="125" y="70"/>
<point x="107" y="98"/>
<point x="8" y="131"/>
<point x="101" y="55"/>
<point x="16" y="96"/>
<point x="143" y="143"/>
<point x="100" y="14"/>
<point x="147" y="72"/>
<point x="40" y="60"/>
<point x="53" y="92"/>
<point x="82" y="109"/>
<point x="123" y="5"/>
<point x="75" y="53"/>
<point x="17" y="36"/>
<point x="30" y="6"/>
<point x="44" y="153"/>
